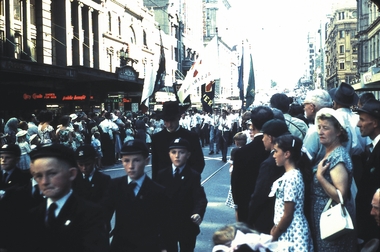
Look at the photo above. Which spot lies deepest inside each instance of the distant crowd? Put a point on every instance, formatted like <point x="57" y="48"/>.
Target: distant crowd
<point x="289" y="163"/>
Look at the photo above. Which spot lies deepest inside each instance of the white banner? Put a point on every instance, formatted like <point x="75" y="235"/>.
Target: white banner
<point x="202" y="71"/>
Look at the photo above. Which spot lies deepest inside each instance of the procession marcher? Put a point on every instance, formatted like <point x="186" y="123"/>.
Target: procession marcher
<point x="161" y="140"/>
<point x="46" y="131"/>
<point x="247" y="163"/>
<point x="369" y="125"/>
<point x="64" y="221"/>
<point x="225" y="127"/>
<point x="107" y="127"/>
<point x="25" y="148"/>
<point x="187" y="199"/>
<point x="140" y="204"/>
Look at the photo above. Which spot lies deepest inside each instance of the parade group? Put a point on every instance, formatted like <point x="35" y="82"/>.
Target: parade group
<point x="288" y="162"/>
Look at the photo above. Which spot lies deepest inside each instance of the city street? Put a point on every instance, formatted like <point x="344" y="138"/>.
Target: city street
<point x="216" y="181"/>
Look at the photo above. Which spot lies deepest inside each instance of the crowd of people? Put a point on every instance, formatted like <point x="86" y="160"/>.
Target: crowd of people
<point x="286" y="162"/>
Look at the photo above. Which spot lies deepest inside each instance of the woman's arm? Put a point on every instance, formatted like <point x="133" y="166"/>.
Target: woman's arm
<point x="285" y="221"/>
<point x="339" y="178"/>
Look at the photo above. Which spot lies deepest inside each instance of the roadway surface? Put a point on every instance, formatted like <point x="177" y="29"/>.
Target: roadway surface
<point x="216" y="182"/>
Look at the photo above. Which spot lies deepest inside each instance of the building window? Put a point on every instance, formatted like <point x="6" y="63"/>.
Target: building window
<point x="33" y="12"/>
<point x="341" y="34"/>
<point x="341" y="66"/>
<point x="17" y="46"/>
<point x="144" y="39"/>
<point x="341" y="49"/>
<point x="17" y="9"/>
<point x="33" y="51"/>
<point x="1" y="8"/>
<point x="109" y="22"/>
<point x="341" y="15"/>
<point x="119" y="25"/>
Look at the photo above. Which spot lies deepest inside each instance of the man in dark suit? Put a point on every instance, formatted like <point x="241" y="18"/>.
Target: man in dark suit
<point x="261" y="207"/>
<point x="369" y="125"/>
<point x="91" y="184"/>
<point x="187" y="199"/>
<point x="11" y="175"/>
<point x="64" y="221"/>
<point x="140" y="204"/>
<point x="247" y="163"/>
<point x="160" y="141"/>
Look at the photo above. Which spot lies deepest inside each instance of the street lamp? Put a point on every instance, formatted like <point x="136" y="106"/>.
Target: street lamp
<point x="124" y="57"/>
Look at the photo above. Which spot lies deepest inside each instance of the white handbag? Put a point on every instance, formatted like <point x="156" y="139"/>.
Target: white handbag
<point x="335" y="221"/>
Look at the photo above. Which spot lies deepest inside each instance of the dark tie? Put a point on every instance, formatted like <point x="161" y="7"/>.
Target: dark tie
<point x="87" y="178"/>
<point x="50" y="215"/>
<point x="5" y="177"/>
<point x="131" y="189"/>
<point x="176" y="173"/>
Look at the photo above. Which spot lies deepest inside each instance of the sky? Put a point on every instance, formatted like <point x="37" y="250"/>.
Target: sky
<point x="278" y="32"/>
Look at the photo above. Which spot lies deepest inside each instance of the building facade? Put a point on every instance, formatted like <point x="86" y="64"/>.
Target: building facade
<point x="341" y="47"/>
<point x="75" y="55"/>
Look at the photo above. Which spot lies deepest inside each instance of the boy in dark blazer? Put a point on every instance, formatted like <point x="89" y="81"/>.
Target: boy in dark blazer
<point x="64" y="221"/>
<point x="11" y="176"/>
<point x="187" y="199"/>
<point x="139" y="204"/>
<point x="91" y="184"/>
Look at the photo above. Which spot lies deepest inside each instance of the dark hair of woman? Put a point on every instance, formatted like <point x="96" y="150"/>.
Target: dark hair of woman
<point x="302" y="162"/>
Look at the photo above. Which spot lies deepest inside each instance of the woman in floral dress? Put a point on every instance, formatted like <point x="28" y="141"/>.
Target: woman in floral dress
<point x="291" y="225"/>
<point x="333" y="172"/>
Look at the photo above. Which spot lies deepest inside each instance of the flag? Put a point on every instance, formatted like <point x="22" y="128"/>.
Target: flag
<point x="208" y="93"/>
<point x="203" y="70"/>
<point x="240" y="83"/>
<point x="250" y="96"/>
<point x="161" y="72"/>
<point x="153" y="82"/>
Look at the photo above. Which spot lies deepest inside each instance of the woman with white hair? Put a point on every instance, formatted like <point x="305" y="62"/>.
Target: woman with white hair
<point x="315" y="100"/>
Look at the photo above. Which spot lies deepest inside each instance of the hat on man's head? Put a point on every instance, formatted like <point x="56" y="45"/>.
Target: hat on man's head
<point x="170" y="111"/>
<point x="371" y="107"/>
<point x="179" y="143"/>
<point x="133" y="147"/>
<point x="344" y="95"/>
<point x="275" y="128"/>
<point x="13" y="149"/>
<point x="85" y="152"/>
<point x="54" y="150"/>
<point x="73" y="116"/>
<point x="21" y="133"/>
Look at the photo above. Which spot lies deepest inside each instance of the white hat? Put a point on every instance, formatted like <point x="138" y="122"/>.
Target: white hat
<point x="329" y="111"/>
<point x="21" y="133"/>
<point x="73" y="116"/>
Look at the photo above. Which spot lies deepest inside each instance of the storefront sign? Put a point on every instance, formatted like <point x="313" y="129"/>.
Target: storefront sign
<point x="53" y="96"/>
<point x="126" y="73"/>
<point x="74" y="98"/>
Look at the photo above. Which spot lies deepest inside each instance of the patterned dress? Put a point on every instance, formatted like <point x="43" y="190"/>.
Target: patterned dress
<point x="290" y="187"/>
<point x="319" y="199"/>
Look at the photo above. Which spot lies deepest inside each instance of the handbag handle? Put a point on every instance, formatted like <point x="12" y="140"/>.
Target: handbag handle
<point x="330" y="201"/>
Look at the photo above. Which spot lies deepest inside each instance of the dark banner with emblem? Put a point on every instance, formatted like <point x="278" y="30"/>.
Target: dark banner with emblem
<point x="207" y="99"/>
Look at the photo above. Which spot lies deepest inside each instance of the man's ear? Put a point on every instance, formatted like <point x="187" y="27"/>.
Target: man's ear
<point x="73" y="171"/>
